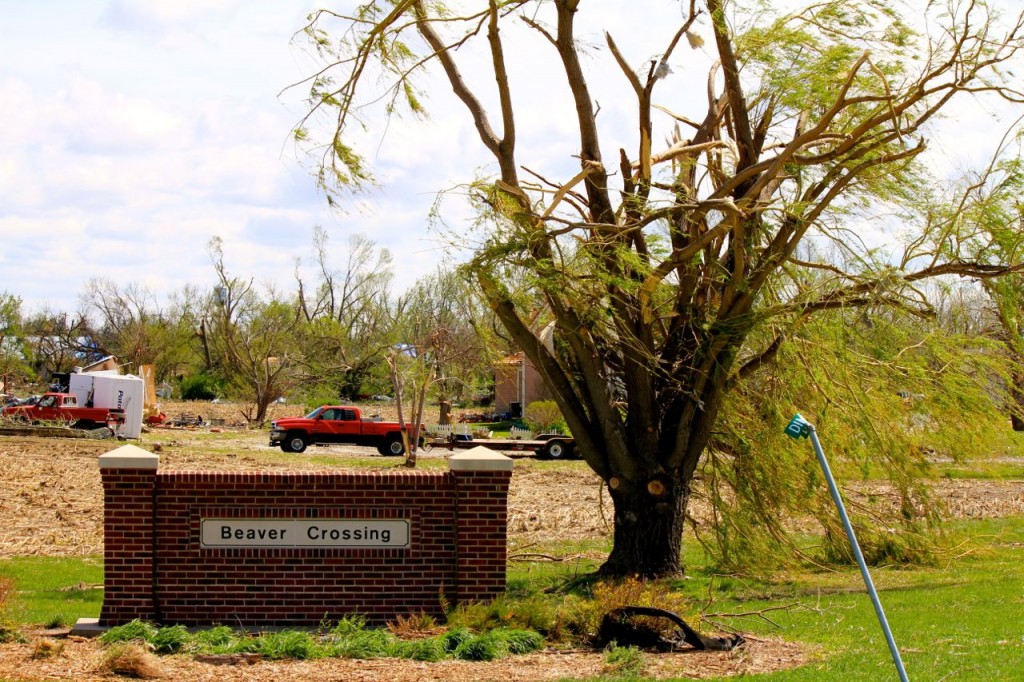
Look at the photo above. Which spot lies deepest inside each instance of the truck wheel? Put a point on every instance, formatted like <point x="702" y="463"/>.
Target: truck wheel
<point x="293" y="442"/>
<point x="85" y="424"/>
<point x="394" y="447"/>
<point x="556" y="449"/>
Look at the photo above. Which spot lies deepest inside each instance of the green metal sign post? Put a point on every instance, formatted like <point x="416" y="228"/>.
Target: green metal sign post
<point x="799" y="427"/>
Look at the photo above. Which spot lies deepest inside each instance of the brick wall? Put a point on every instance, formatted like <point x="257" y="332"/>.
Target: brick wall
<point x="158" y="569"/>
<point x="128" y="543"/>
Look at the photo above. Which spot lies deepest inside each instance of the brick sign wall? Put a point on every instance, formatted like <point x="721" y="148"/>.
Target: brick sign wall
<point x="294" y="549"/>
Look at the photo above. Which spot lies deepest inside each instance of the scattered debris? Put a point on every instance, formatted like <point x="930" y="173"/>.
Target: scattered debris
<point x="229" y="659"/>
<point x="186" y="420"/>
<point x="622" y="627"/>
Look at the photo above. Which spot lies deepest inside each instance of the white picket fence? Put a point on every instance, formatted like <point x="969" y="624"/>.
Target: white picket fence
<point x="445" y="430"/>
<point x="516" y="433"/>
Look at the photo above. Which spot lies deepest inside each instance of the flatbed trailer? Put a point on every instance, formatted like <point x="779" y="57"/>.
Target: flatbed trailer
<point x="549" y="446"/>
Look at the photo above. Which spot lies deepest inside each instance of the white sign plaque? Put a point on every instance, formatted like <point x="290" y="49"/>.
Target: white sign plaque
<point x="304" y="533"/>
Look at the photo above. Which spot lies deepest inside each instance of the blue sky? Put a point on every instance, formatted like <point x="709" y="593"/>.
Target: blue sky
<point x="132" y="131"/>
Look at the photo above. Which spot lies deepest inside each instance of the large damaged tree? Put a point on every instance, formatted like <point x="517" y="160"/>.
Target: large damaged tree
<point x="656" y="266"/>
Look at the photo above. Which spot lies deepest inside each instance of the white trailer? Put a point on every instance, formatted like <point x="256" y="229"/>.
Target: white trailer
<point x="105" y="389"/>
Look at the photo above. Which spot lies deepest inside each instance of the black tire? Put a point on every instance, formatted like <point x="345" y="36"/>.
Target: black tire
<point x="294" y="442"/>
<point x="393" y="446"/>
<point x="84" y="424"/>
<point x="557" y="449"/>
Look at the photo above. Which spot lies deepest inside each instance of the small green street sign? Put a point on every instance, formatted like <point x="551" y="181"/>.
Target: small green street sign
<point x="798" y="427"/>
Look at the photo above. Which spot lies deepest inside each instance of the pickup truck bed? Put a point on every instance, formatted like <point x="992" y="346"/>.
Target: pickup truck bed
<point x="336" y="424"/>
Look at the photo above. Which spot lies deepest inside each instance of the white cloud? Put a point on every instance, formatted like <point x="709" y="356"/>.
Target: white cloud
<point x="164" y="14"/>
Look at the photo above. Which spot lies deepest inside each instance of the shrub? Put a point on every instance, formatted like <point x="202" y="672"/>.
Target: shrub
<point x="349" y="638"/>
<point x="453" y="639"/>
<point x="429" y="650"/>
<point x="59" y="620"/>
<point x="170" y="640"/>
<point x="363" y="644"/>
<point x="623" y="661"/>
<point x="583" y="616"/>
<point x="137" y="630"/>
<point x="493" y="644"/>
<point x="287" y="644"/>
<point x="348" y="625"/>
<point x="201" y="386"/>
<point x="216" y="639"/>
<point x="544" y="416"/>
<point x="413" y="624"/>
<point x="10" y="633"/>
<point x="485" y="647"/>
<point x="534" y="613"/>
<point x="321" y="394"/>
<point x="519" y="641"/>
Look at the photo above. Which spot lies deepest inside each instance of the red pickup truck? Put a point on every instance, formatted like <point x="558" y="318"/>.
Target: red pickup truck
<point x="336" y="424"/>
<point x="64" y="407"/>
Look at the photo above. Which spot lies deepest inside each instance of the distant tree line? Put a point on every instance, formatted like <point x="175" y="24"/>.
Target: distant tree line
<point x="326" y="340"/>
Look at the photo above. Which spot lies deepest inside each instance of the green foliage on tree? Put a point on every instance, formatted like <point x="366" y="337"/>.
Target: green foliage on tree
<point x="13" y="362"/>
<point x="126" y="321"/>
<point x="987" y="211"/>
<point x="325" y="342"/>
<point x="346" y="313"/>
<point x="251" y="340"/>
<point x="675" y="277"/>
<point x="436" y="348"/>
<point x="56" y="342"/>
<point x="892" y="396"/>
<point x="201" y="386"/>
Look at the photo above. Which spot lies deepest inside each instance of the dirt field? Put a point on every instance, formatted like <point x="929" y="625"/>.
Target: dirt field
<point x="51" y="504"/>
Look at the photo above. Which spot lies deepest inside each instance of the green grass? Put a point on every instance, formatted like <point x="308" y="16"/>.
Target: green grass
<point x="53" y="591"/>
<point x="961" y="620"/>
<point x="996" y="470"/>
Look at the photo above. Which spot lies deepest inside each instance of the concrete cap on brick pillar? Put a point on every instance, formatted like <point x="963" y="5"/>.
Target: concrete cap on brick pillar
<point x="479" y="459"/>
<point x="129" y="457"/>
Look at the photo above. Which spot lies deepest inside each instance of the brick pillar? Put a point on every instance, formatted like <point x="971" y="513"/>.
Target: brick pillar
<point x="482" y="477"/>
<point x="129" y="478"/>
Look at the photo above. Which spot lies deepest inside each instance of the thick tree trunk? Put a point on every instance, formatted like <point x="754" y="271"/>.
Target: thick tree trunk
<point x="648" y="528"/>
<point x="1017" y="408"/>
